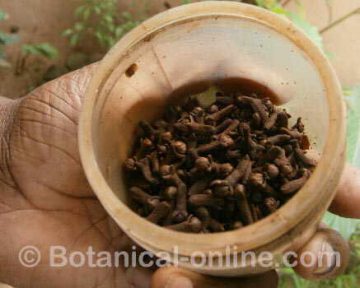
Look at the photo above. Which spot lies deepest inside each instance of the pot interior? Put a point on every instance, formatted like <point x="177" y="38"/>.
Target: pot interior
<point x="190" y="56"/>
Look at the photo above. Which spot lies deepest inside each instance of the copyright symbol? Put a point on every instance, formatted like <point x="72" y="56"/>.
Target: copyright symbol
<point x="29" y="256"/>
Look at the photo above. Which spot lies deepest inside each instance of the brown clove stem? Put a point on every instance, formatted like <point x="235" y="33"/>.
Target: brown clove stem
<point x="294" y="185"/>
<point x="141" y="197"/>
<point x="217" y="116"/>
<point x="192" y="224"/>
<point x="206" y="200"/>
<point x="159" y="213"/>
<point x="256" y="105"/>
<point x="144" y="166"/>
<point x="243" y="204"/>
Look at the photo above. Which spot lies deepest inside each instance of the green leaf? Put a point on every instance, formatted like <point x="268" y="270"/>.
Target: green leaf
<point x="74" y="39"/>
<point x="108" y="18"/>
<point x="119" y="32"/>
<point x="207" y="97"/>
<point x="3" y="15"/>
<point x="279" y="10"/>
<point x="100" y="37"/>
<point x="86" y="14"/>
<point x="127" y="16"/>
<point x="67" y="32"/>
<point x="79" y="26"/>
<point x="97" y="10"/>
<point x="79" y="11"/>
<point x="352" y="98"/>
<point x="346" y="227"/>
<point x="104" y="26"/>
<point x="268" y="4"/>
<point x="42" y="49"/>
<point x="6" y="39"/>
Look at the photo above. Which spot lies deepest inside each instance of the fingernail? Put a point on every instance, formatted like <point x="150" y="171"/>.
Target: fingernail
<point x="326" y="260"/>
<point x="179" y="282"/>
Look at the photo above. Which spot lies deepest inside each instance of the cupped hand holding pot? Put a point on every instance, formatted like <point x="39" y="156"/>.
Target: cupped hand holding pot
<point x="46" y="201"/>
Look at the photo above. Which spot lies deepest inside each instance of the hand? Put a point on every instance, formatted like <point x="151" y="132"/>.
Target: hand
<point x="46" y="200"/>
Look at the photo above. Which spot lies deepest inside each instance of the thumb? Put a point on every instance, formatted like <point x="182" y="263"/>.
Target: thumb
<point x="172" y="277"/>
<point x="347" y="199"/>
<point x="325" y="256"/>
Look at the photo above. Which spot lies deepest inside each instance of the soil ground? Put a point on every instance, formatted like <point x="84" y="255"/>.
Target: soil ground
<point x="44" y="20"/>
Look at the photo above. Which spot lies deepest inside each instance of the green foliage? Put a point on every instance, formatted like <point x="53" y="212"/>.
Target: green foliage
<point x="352" y="98"/>
<point x="272" y="5"/>
<point x="290" y="280"/>
<point x="208" y="97"/>
<point x="350" y="279"/>
<point x="299" y="19"/>
<point x="183" y="2"/>
<point x="345" y="226"/>
<point x="41" y="49"/>
<point x="349" y="229"/>
<point x="3" y="15"/>
<point x="99" y="20"/>
<point x="5" y="39"/>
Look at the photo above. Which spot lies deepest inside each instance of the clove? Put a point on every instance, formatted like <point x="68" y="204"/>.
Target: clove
<point x="223" y="141"/>
<point x="243" y="204"/>
<point x="294" y="185"/>
<point x="144" y="166"/>
<point x="140" y="196"/>
<point x="216" y="168"/>
<point x="180" y="212"/>
<point x="207" y="221"/>
<point x="192" y="224"/>
<point x="256" y="105"/>
<point x="159" y="213"/>
<point x="217" y="116"/>
<point x="206" y="200"/>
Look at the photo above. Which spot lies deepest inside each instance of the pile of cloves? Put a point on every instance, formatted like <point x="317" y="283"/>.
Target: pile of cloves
<point x="217" y="168"/>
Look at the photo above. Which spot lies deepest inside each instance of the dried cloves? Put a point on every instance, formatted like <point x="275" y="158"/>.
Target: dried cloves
<point x="191" y="225"/>
<point x="141" y="197"/>
<point x="206" y="200"/>
<point x="294" y="185"/>
<point x="159" y="213"/>
<point x="217" y="116"/>
<point x="217" y="168"/>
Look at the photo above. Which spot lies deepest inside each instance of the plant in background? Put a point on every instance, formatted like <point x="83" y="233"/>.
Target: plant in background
<point x="43" y="50"/>
<point x="299" y="18"/>
<point x="348" y="228"/>
<point x="183" y="2"/>
<point x="5" y="39"/>
<point x="99" y="20"/>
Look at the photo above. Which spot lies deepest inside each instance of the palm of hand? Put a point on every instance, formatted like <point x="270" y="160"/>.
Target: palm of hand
<point x="47" y="200"/>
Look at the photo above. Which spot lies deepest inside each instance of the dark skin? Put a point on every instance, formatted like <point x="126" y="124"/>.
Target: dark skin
<point x="46" y="199"/>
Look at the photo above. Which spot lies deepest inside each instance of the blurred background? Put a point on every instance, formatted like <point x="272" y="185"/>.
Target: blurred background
<point x="42" y="39"/>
